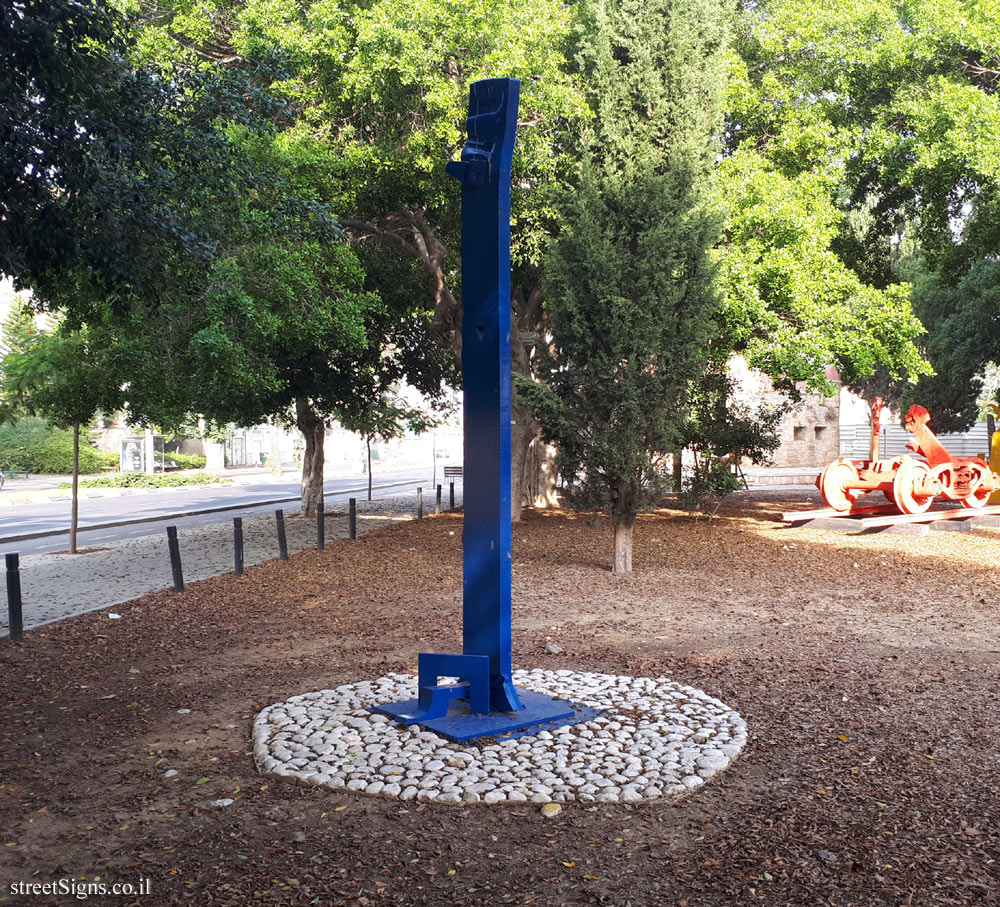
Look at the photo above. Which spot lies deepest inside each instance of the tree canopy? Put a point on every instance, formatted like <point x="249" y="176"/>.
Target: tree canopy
<point x="876" y="123"/>
<point x="177" y="176"/>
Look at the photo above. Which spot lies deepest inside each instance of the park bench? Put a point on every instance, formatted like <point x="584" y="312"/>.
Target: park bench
<point x="452" y="472"/>
<point x="25" y="473"/>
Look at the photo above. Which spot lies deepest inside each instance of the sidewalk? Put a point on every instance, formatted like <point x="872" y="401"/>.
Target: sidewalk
<point x="56" y="586"/>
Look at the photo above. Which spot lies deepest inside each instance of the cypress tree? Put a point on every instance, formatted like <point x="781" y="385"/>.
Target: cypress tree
<point x="631" y="292"/>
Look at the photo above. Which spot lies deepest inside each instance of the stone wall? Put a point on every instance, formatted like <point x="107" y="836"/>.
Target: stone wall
<point x="810" y="434"/>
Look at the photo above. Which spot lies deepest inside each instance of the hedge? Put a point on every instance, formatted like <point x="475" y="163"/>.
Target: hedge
<point x="141" y="480"/>
<point x="33" y="444"/>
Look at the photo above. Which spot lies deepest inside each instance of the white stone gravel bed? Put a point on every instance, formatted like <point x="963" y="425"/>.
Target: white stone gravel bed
<point x="656" y="740"/>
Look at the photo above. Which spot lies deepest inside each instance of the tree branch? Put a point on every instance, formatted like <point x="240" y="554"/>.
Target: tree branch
<point x="426" y="248"/>
<point x="207" y="52"/>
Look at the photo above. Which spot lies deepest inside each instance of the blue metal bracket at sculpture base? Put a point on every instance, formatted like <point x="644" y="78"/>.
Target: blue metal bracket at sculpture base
<point x="460" y="710"/>
<point x="484" y="701"/>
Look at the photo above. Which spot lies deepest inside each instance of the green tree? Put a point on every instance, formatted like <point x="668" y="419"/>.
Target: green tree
<point x="884" y="117"/>
<point x="210" y="284"/>
<point x="56" y="82"/>
<point x="380" y="92"/>
<point x="965" y="339"/>
<point x="631" y="297"/>
<point x="383" y="416"/>
<point x="61" y="376"/>
<point x="791" y="305"/>
<point x="277" y="326"/>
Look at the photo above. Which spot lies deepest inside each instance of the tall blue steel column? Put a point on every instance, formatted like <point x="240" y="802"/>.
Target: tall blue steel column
<point x="484" y="171"/>
<point x="484" y="702"/>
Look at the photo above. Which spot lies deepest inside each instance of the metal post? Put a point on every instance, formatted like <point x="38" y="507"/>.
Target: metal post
<point x="175" y="558"/>
<point x="484" y="171"/>
<point x="437" y="502"/>
<point x="420" y="503"/>
<point x="238" y="545"/>
<point x="16" y="621"/>
<point x="451" y="495"/>
<point x="320" y="527"/>
<point x="279" y="518"/>
<point x="352" y="519"/>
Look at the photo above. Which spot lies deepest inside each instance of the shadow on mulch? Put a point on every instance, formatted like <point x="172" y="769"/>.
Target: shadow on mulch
<point x="866" y="668"/>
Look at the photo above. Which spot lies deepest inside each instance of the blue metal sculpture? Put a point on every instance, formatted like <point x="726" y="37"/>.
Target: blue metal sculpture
<point x="485" y="701"/>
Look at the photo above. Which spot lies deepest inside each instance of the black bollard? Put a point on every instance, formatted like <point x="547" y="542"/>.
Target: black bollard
<point x="420" y="503"/>
<point x="437" y="503"/>
<point x="175" y="558"/>
<point x="352" y="519"/>
<point x="320" y="528"/>
<point x="15" y="622"/>
<point x="451" y="496"/>
<point x="238" y="545"/>
<point x="279" y="518"/>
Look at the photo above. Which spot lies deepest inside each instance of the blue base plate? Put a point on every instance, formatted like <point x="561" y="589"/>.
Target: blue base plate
<point x="540" y="713"/>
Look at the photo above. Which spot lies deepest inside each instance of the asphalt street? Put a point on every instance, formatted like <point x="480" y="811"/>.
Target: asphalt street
<point x="36" y="528"/>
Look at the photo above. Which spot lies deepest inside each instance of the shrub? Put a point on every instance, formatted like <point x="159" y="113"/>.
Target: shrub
<point x="33" y="444"/>
<point x="184" y="461"/>
<point x="141" y="480"/>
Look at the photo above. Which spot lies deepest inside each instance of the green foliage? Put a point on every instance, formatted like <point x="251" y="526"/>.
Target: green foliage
<point x="195" y="274"/>
<point x="882" y="121"/>
<point x="58" y="375"/>
<point x="383" y="90"/>
<point x="140" y="480"/>
<point x="792" y="307"/>
<point x="32" y="443"/>
<point x="57" y="76"/>
<point x="965" y="337"/>
<point x="631" y="294"/>
<point x="378" y="98"/>
<point x="184" y="461"/>
<point x="722" y="430"/>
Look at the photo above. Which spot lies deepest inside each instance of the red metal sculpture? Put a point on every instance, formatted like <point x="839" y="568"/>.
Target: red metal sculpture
<point x="911" y="484"/>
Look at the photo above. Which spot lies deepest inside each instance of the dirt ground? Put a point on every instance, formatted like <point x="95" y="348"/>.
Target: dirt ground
<point x="866" y="667"/>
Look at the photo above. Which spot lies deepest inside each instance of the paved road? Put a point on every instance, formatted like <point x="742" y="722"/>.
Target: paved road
<point x="38" y="528"/>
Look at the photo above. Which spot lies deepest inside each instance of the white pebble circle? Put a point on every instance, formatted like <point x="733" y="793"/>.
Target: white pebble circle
<point x="656" y="739"/>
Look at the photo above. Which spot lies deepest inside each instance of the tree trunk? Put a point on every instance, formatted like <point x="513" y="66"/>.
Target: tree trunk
<point x="522" y="432"/>
<point x="526" y="316"/>
<point x="368" y="447"/>
<point x="623" y="505"/>
<point x="678" y="471"/>
<point x="74" y="507"/>
<point x="408" y="231"/>
<point x="623" y="547"/>
<point x="541" y="474"/>
<point x="314" y="457"/>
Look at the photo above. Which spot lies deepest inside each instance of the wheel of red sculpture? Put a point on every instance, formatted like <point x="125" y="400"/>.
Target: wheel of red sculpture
<point x="904" y="483"/>
<point x="833" y="485"/>
<point x="982" y="493"/>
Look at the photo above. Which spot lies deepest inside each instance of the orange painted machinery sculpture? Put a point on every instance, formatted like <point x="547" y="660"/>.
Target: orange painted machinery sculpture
<point x="911" y="484"/>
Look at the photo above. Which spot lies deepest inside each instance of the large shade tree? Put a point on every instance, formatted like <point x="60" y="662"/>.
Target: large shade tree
<point x="209" y="281"/>
<point x="61" y="375"/>
<point x="380" y="92"/>
<point x="883" y="117"/>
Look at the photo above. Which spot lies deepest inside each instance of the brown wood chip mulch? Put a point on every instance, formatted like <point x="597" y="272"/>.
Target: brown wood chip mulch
<point x="867" y="668"/>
